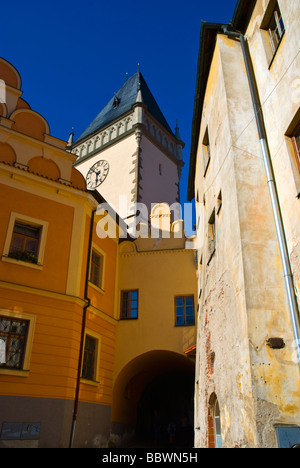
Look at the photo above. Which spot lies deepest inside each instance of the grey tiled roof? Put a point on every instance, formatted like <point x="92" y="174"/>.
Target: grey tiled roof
<point x="126" y="96"/>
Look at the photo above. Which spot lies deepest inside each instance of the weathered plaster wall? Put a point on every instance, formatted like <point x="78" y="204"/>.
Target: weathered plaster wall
<point x="242" y="298"/>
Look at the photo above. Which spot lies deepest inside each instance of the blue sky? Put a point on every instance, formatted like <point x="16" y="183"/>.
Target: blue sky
<point x="72" y="56"/>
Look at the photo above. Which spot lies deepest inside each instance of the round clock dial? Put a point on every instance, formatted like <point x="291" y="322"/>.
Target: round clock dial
<point x="97" y="174"/>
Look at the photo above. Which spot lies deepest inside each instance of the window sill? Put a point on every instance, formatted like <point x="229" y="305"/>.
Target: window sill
<point x="93" y="383"/>
<point x="35" y="266"/>
<point x="14" y="372"/>
<point x="128" y="318"/>
<point x="97" y="288"/>
<point x="185" y="325"/>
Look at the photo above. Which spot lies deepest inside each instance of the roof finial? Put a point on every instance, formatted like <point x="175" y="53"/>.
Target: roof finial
<point x="177" y="134"/>
<point x="139" y="67"/>
<point x="126" y="76"/>
<point x="70" y="140"/>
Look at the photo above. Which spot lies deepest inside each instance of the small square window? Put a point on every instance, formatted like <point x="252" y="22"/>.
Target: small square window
<point x="129" y="304"/>
<point x="184" y="311"/>
<point x="25" y="242"/>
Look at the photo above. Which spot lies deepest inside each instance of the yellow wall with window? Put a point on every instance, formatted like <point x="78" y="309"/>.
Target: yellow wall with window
<point x="159" y="274"/>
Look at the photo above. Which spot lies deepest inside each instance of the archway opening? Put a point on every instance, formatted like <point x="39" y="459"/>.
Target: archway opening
<point x="155" y="389"/>
<point x="165" y="411"/>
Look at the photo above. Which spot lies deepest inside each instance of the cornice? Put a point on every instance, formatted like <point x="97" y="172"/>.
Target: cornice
<point x="158" y="252"/>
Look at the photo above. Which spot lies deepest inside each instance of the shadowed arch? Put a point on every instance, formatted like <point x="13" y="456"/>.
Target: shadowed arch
<point x="136" y="378"/>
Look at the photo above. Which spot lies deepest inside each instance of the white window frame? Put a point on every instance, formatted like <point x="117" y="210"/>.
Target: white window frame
<point x="21" y="218"/>
<point x="102" y="255"/>
<point x="96" y="337"/>
<point x="24" y="372"/>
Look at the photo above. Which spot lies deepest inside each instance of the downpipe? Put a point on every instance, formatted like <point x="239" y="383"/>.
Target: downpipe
<point x="82" y="336"/>
<point x="288" y="276"/>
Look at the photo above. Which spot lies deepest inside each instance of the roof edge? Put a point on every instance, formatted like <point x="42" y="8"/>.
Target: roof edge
<point x="240" y="20"/>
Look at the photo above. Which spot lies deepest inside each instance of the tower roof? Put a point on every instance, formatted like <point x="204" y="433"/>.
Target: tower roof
<point x="122" y="102"/>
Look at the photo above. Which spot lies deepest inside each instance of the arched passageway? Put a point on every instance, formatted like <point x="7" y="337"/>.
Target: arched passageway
<point x="151" y="392"/>
<point x="166" y="411"/>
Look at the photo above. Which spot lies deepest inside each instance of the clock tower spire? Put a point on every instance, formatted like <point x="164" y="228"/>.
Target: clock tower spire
<point x="129" y="151"/>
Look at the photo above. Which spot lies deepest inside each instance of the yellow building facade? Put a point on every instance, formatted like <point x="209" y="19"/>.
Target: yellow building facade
<point x="46" y="216"/>
<point x="90" y="317"/>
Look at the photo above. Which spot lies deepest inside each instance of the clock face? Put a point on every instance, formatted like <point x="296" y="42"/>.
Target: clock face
<point x="97" y="174"/>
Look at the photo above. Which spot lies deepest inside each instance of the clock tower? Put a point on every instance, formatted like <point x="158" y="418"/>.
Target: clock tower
<point x="129" y="154"/>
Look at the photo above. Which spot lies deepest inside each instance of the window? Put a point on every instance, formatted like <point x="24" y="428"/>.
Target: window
<point x="129" y="305"/>
<point x="25" y="241"/>
<point x="273" y="26"/>
<point x="293" y="141"/>
<point x="13" y="338"/>
<point x="89" y="358"/>
<point x="206" y="151"/>
<point x="96" y="274"/>
<point x="296" y="146"/>
<point x="217" y="424"/>
<point x="214" y="423"/>
<point x="219" y="202"/>
<point x="211" y="236"/>
<point x="276" y="29"/>
<point x="184" y="311"/>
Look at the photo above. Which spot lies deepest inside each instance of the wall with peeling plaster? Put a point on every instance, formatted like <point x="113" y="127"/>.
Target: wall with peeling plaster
<point x="242" y="299"/>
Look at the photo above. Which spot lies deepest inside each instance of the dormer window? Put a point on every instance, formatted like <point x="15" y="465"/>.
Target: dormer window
<point x="116" y="102"/>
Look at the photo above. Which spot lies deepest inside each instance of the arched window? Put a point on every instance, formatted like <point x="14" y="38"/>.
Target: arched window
<point x="217" y="425"/>
<point x="214" y="423"/>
